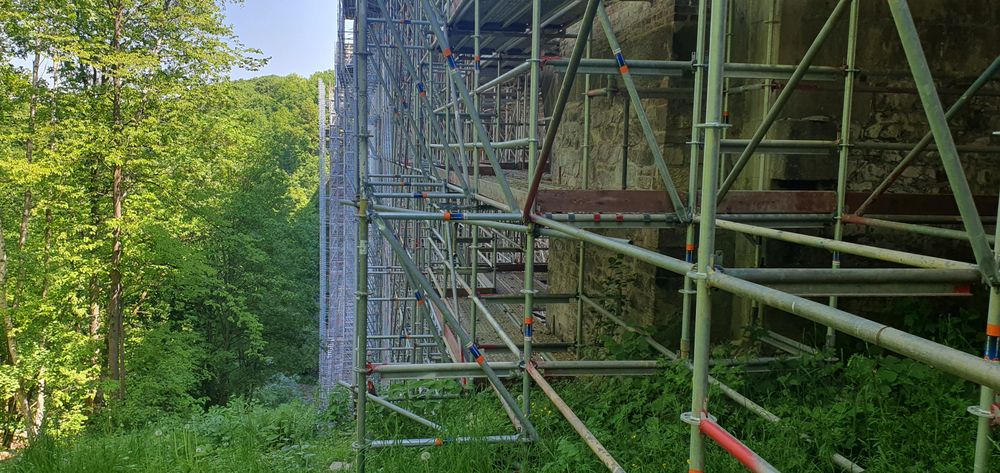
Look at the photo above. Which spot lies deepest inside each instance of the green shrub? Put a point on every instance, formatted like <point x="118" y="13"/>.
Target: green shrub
<point x="164" y="374"/>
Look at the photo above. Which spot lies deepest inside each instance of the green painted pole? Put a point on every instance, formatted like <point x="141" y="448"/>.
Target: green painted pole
<point x="845" y="150"/>
<point x="581" y="264"/>
<point x="585" y="166"/>
<point x="451" y="256"/>
<point x="706" y="233"/>
<point x="944" y="139"/>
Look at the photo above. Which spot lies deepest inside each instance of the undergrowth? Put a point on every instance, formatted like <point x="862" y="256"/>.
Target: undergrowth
<point x="886" y="413"/>
<point x="242" y="437"/>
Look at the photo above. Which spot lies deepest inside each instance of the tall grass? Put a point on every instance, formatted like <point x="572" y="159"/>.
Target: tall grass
<point x="238" y="437"/>
<point x="888" y="414"/>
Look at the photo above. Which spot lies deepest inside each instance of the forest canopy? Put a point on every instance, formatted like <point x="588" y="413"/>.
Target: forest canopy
<point x="157" y="220"/>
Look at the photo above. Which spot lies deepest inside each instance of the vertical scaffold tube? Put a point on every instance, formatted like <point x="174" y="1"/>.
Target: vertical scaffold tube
<point x="361" y="298"/>
<point x="845" y="140"/>
<point x="706" y="238"/>
<point x="988" y="408"/>
<point x="689" y="246"/>
<point x="476" y="153"/>
<point x="529" y="240"/>
<point x="585" y="170"/>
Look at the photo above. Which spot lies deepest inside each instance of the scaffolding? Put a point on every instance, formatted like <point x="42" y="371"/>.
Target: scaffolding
<point x="338" y="227"/>
<point x="437" y="208"/>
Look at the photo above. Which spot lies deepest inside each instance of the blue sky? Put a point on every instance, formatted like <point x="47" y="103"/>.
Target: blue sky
<point x="298" y="35"/>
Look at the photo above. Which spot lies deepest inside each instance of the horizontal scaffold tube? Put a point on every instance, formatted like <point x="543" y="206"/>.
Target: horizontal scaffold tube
<point x="404" y="183"/>
<point x="953" y="361"/>
<point x="417" y="195"/>
<point x="892" y="256"/>
<point x="907" y="227"/>
<point x="825" y="147"/>
<point x="509" y="144"/>
<point x="450" y="216"/>
<point x="679" y="68"/>
<point x="961" y="364"/>
<point x="438" y="441"/>
<point x="609" y="220"/>
<point x="505" y="77"/>
<point x="853" y="275"/>
<point x="397" y="176"/>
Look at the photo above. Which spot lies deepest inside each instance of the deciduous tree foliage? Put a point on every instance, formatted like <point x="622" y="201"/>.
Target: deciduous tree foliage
<point x="157" y="221"/>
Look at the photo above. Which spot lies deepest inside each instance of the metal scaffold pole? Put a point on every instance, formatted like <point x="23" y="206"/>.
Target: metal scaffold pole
<point x="845" y="142"/>
<point x="477" y="158"/>
<point x="529" y="240"/>
<point x="988" y="408"/>
<point x="581" y="262"/>
<point x="706" y="233"/>
<point x="688" y="292"/>
<point x="361" y="300"/>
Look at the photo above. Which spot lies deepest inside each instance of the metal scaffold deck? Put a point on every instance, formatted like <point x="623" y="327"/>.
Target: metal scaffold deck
<point x="434" y="198"/>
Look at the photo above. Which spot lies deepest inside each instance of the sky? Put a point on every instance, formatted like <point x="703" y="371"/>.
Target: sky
<point x="298" y="35"/>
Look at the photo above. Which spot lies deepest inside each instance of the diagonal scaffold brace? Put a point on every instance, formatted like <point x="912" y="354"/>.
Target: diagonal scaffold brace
<point x="463" y="91"/>
<point x="419" y="280"/>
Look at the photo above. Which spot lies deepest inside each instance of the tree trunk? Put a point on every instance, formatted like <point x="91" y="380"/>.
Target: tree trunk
<point x="8" y="325"/>
<point x="21" y="393"/>
<point x="94" y="289"/>
<point x="115" y="326"/>
<point x="48" y="253"/>
<point x="29" y="143"/>
<point x="39" y="415"/>
<point x="116" y="330"/>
